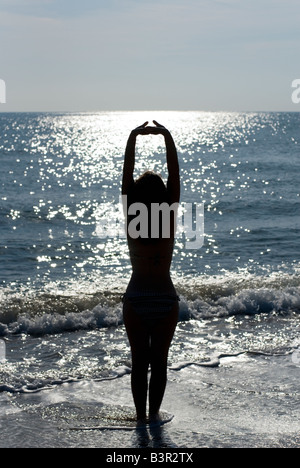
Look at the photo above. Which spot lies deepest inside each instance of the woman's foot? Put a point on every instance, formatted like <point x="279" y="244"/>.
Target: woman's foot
<point x="155" y="419"/>
<point x="141" y="423"/>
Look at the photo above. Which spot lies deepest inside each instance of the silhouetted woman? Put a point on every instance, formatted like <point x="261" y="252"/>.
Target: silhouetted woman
<point x="151" y="302"/>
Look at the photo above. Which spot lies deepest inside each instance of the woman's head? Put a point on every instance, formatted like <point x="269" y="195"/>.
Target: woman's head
<point x="149" y="189"/>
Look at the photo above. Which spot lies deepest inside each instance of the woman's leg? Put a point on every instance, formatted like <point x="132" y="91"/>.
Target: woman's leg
<point x="139" y="339"/>
<point x="161" y="338"/>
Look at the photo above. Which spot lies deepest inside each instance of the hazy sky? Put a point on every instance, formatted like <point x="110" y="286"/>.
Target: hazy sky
<point x="94" y="55"/>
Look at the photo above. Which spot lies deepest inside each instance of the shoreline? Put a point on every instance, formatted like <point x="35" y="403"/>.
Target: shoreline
<point x="247" y="402"/>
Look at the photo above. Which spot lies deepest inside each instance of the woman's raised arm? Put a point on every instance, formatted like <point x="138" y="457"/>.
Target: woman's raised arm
<point x="172" y="162"/>
<point x="129" y="161"/>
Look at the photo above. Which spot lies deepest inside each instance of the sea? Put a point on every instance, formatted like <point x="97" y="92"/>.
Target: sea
<point x="62" y="280"/>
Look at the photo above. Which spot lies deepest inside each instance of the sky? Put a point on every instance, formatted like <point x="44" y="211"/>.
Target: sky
<point x="98" y="55"/>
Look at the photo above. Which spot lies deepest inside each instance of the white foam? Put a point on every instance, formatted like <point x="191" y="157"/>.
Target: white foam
<point x="202" y="298"/>
<point x="99" y="317"/>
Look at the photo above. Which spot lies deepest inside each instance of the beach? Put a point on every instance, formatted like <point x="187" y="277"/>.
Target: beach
<point x="248" y="402"/>
<point x="65" y="363"/>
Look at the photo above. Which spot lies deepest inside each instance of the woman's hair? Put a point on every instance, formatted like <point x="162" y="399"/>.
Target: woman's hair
<point x="148" y="189"/>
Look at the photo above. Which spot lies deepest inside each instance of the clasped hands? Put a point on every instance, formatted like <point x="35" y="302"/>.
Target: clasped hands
<point x="150" y="130"/>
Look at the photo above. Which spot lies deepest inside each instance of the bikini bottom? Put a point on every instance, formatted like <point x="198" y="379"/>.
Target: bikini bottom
<point x="151" y="307"/>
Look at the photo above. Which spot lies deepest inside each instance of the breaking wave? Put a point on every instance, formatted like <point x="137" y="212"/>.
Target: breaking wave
<point x="203" y="298"/>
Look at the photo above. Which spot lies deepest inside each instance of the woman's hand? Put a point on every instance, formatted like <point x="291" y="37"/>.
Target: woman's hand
<point x="141" y="130"/>
<point x="159" y="129"/>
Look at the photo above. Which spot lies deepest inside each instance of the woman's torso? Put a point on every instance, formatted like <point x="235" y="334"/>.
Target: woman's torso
<point x="151" y="264"/>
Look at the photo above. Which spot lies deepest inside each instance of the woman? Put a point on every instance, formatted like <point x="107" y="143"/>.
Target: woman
<point x="150" y="303"/>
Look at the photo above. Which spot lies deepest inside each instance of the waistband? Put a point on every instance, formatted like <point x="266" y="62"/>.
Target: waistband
<point x="150" y="296"/>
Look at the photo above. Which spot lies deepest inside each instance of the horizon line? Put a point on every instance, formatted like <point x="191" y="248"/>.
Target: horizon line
<point x="139" y="110"/>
